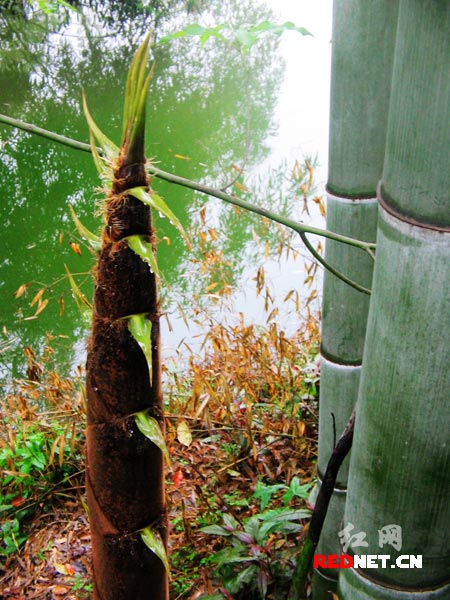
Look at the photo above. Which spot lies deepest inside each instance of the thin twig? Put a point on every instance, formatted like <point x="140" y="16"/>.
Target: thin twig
<point x="331" y="269"/>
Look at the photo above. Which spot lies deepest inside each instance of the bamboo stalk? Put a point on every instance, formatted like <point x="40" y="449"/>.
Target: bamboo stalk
<point x="363" y="39"/>
<point x="400" y="465"/>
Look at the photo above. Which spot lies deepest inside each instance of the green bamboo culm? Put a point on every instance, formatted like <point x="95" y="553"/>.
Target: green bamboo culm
<point x="399" y="476"/>
<point x="362" y="56"/>
<point x="124" y="467"/>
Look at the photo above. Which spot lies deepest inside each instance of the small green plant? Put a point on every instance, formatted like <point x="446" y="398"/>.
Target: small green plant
<point x="12" y="537"/>
<point x="82" y="586"/>
<point x="34" y="464"/>
<point x="257" y="557"/>
<point x="236" y="499"/>
<point x="187" y="566"/>
<point x="294" y="490"/>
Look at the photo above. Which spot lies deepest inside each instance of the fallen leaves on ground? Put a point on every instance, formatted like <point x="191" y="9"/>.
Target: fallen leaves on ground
<point x="245" y="413"/>
<point x="54" y="560"/>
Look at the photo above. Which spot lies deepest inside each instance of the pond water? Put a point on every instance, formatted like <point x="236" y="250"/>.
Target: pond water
<point x="212" y="110"/>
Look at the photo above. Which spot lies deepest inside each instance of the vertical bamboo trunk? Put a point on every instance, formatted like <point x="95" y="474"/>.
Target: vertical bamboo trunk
<point x="400" y="463"/>
<point x="124" y="474"/>
<point x="363" y="40"/>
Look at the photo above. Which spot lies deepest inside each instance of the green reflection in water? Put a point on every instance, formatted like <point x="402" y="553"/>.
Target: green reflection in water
<point x="209" y="108"/>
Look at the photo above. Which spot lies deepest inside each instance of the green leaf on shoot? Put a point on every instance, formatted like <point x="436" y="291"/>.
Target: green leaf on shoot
<point x="153" y="541"/>
<point x="109" y="148"/>
<point x="84" y="306"/>
<point x="93" y="240"/>
<point x="149" y="427"/>
<point x="103" y="168"/>
<point x="141" y="328"/>
<point x="135" y="79"/>
<point x="144" y="249"/>
<point x="134" y="106"/>
<point x="155" y="201"/>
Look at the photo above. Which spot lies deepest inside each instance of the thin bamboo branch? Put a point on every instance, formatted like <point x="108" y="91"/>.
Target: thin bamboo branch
<point x="327" y="266"/>
<point x="204" y="189"/>
<point x="294" y="225"/>
<point x="51" y="135"/>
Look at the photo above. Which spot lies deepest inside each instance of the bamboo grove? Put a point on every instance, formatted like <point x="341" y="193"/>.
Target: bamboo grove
<point x="399" y="471"/>
<point x="386" y="353"/>
<point x="389" y="154"/>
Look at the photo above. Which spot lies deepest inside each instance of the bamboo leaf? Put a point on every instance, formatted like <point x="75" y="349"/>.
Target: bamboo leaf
<point x="155" y="201"/>
<point x="41" y="307"/>
<point x="38" y="297"/>
<point x="191" y="30"/>
<point x="278" y="29"/>
<point x="149" y="427"/>
<point x="93" y="240"/>
<point x="289" y="295"/>
<point x="75" y="247"/>
<point x="184" y="434"/>
<point x="194" y="30"/>
<point x="109" y="148"/>
<point x="153" y="541"/>
<point x="22" y="289"/>
<point x="84" y="306"/>
<point x="140" y="328"/>
<point x="144" y="249"/>
<point x="245" y="37"/>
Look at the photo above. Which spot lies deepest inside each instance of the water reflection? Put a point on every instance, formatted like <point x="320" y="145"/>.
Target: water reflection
<point x="209" y="110"/>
